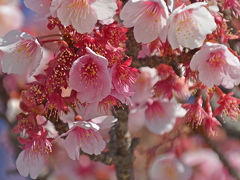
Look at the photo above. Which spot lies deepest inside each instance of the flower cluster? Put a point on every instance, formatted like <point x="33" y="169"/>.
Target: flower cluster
<point x="89" y="62"/>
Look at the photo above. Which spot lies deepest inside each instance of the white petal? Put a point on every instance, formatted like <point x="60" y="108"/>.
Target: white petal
<point x="104" y="9"/>
<point x="147" y="30"/>
<point x="36" y="166"/>
<point x="105" y="122"/>
<point x="71" y="145"/>
<point x="93" y="143"/>
<point x="84" y="20"/>
<point x="131" y="12"/>
<point x="21" y="165"/>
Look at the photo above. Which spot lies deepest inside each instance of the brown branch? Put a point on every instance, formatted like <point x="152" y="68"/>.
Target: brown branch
<point x="121" y="146"/>
<point x="104" y="157"/>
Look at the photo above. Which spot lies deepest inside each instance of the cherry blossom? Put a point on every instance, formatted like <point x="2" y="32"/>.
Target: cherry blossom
<point x="148" y="18"/>
<point x="190" y="22"/>
<point x="207" y="164"/>
<point x="84" y="64"/>
<point x="83" y="14"/>
<point x="84" y="135"/>
<point x="22" y="52"/>
<point x="228" y="105"/>
<point x="90" y="77"/>
<point x="40" y="6"/>
<point x="195" y="114"/>
<point x="216" y="66"/>
<point x="143" y="85"/>
<point x="123" y="79"/>
<point x="169" y="167"/>
<point x="161" y="115"/>
<point x="32" y="159"/>
<point x="10" y="18"/>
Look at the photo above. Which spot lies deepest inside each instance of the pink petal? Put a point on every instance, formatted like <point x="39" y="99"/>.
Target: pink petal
<point x="71" y="145"/>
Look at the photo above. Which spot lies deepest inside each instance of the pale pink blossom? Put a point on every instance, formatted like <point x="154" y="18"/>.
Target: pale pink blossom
<point x="216" y="66"/>
<point x="136" y="119"/>
<point x="189" y="25"/>
<point x="90" y="77"/>
<point x="206" y="165"/>
<point x="161" y="115"/>
<point x="39" y="6"/>
<point x="148" y="17"/>
<point x="105" y="123"/>
<point x="32" y="159"/>
<point x="11" y="17"/>
<point x="169" y="167"/>
<point x="83" y="14"/>
<point x="144" y="83"/>
<point x="22" y="53"/>
<point x="84" y="135"/>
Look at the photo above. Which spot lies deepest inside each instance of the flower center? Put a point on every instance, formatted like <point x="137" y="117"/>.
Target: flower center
<point x="186" y="26"/>
<point x="153" y="10"/>
<point x="216" y="60"/>
<point x="27" y="48"/>
<point x="89" y="73"/>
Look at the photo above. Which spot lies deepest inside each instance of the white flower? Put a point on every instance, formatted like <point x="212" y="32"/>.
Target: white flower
<point x="83" y="14"/>
<point x="149" y="19"/>
<point x="168" y="167"/>
<point x="189" y="25"/>
<point x="21" y="53"/>
<point x="216" y="65"/>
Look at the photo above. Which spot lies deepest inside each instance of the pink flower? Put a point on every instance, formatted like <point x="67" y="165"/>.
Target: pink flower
<point x="143" y="85"/>
<point x="83" y="14"/>
<point x="89" y="76"/>
<point x="22" y="53"/>
<point x="210" y="122"/>
<point x="196" y="114"/>
<point x="148" y="17"/>
<point x="11" y="18"/>
<point x="206" y="164"/>
<point x="84" y="135"/>
<point x="172" y="85"/>
<point x="189" y="25"/>
<point x="161" y="116"/>
<point x="168" y="167"/>
<point x="228" y="106"/>
<point x="216" y="66"/>
<point x="39" y="6"/>
<point x="32" y="159"/>
<point x="123" y="78"/>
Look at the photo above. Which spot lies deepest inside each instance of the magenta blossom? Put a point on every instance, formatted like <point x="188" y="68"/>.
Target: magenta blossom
<point x="89" y="76"/>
